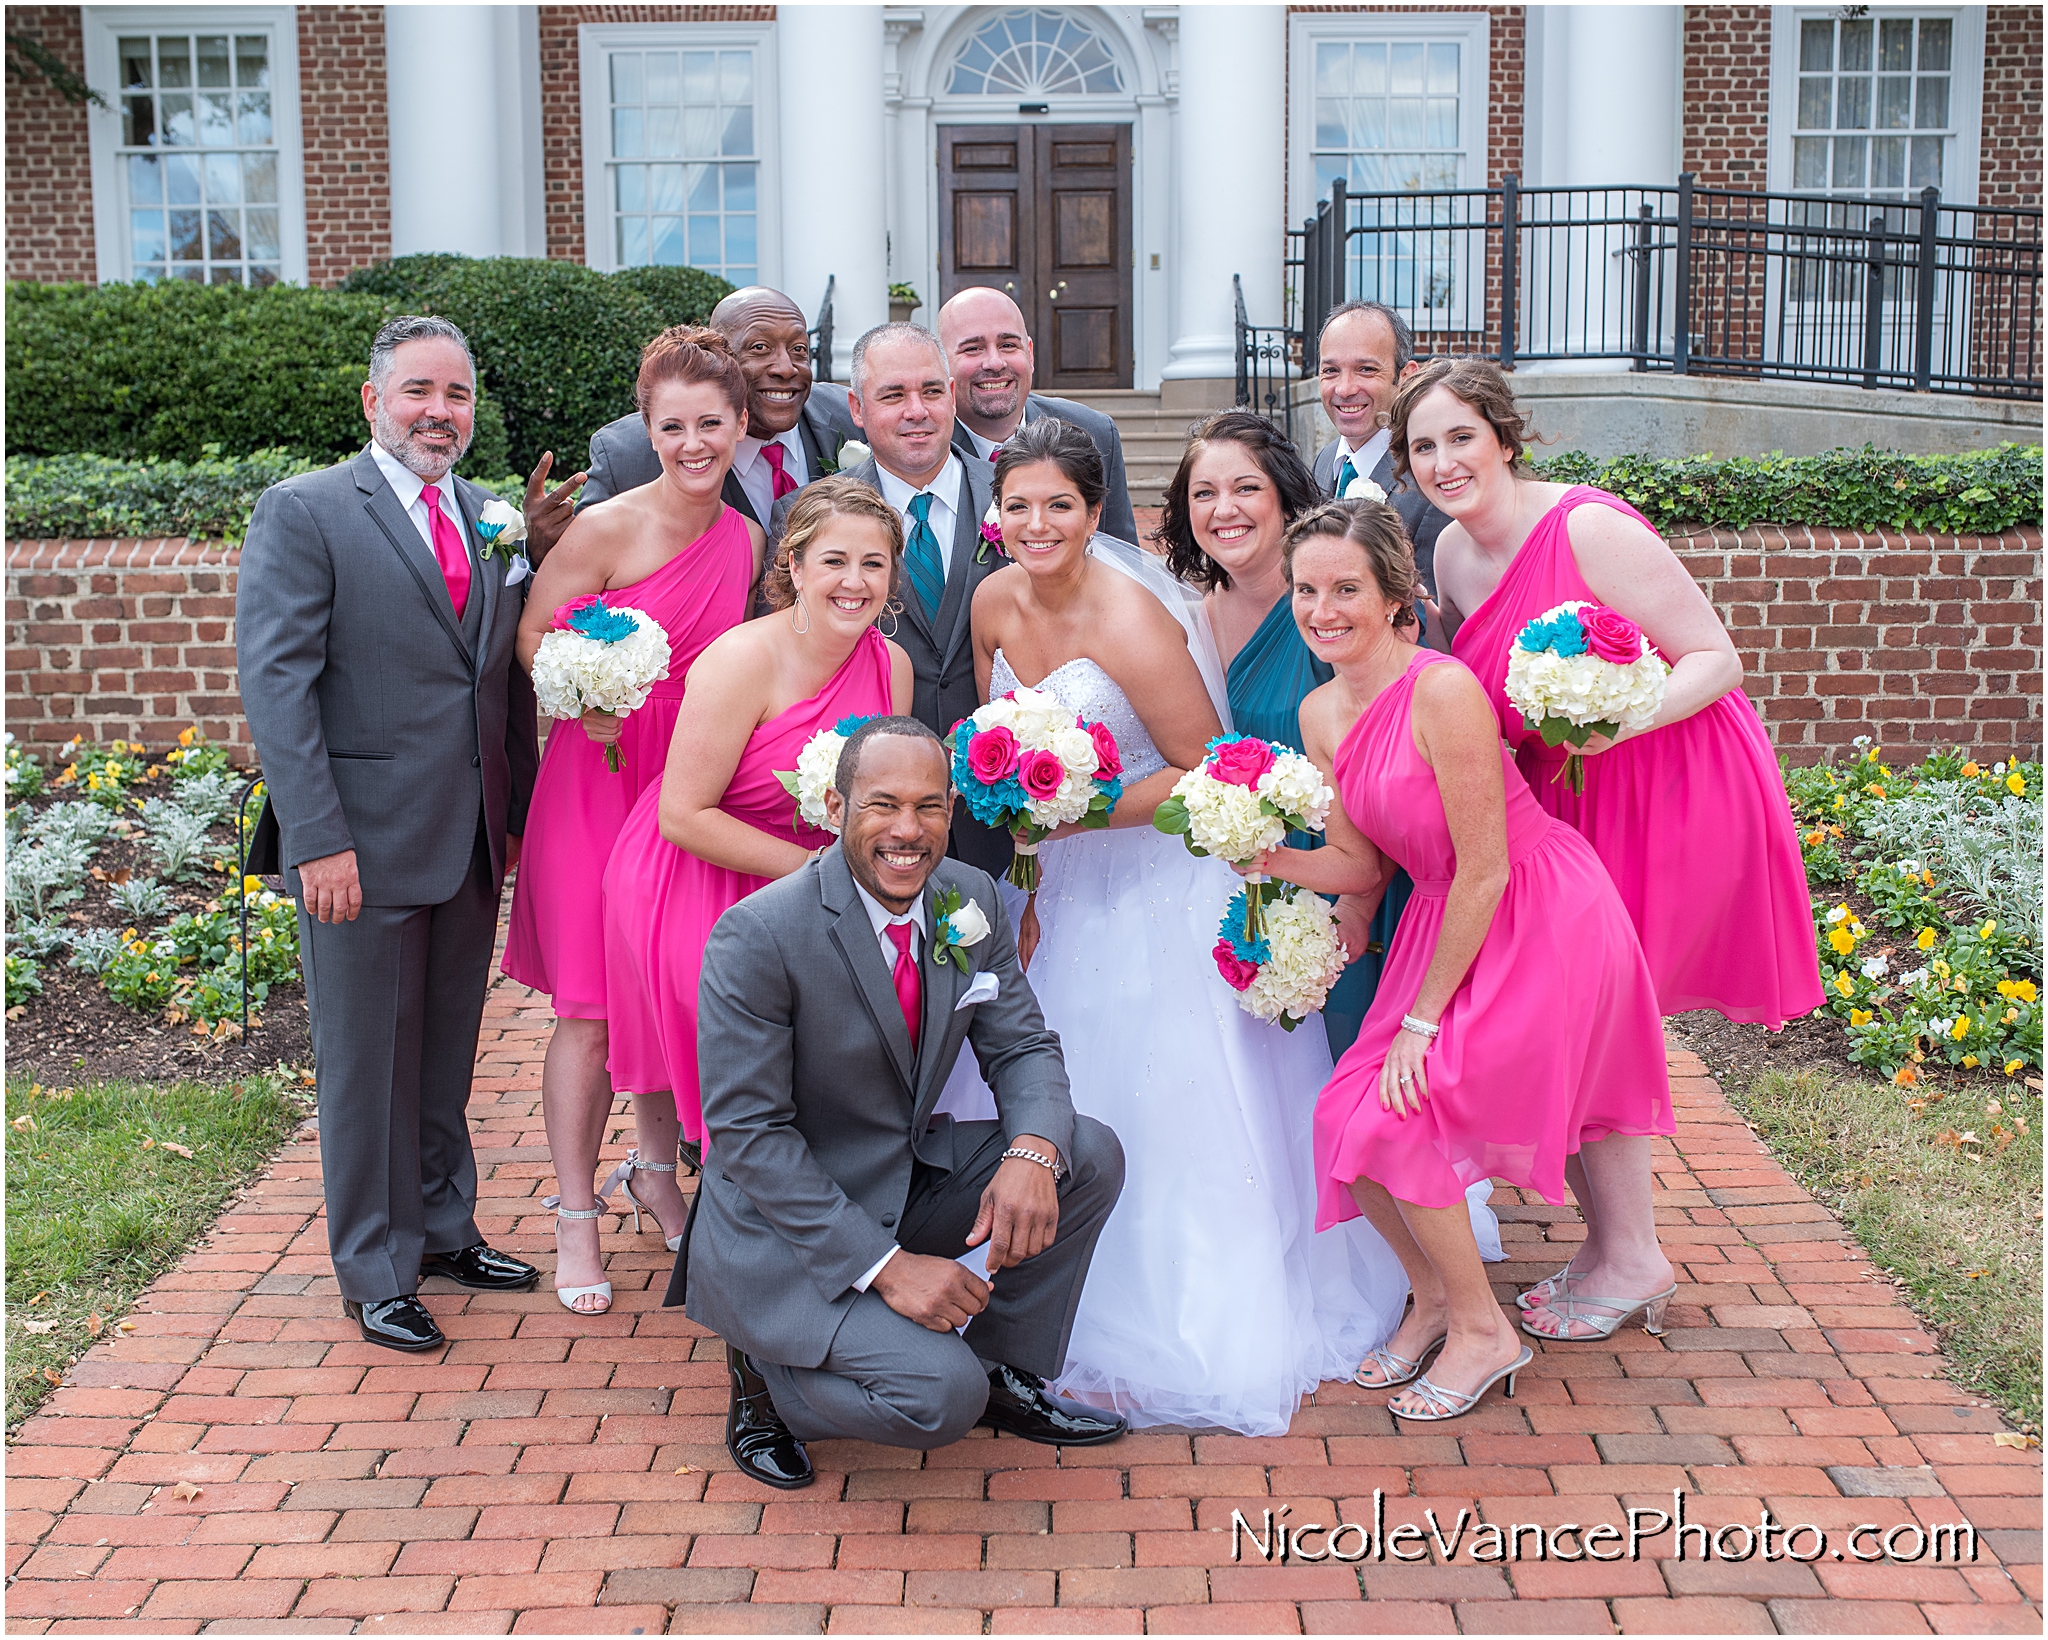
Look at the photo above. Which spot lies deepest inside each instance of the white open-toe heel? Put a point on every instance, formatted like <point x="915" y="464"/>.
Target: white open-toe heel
<point x="569" y="1295"/>
<point x="622" y="1176"/>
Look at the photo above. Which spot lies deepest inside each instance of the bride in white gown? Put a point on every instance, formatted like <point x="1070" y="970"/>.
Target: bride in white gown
<point x="1211" y="1301"/>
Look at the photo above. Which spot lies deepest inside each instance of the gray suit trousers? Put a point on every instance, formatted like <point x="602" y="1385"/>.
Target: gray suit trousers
<point x="888" y="1380"/>
<point x="397" y="999"/>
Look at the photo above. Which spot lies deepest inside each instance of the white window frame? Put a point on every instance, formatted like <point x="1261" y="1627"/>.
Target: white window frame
<point x="103" y="26"/>
<point x="1965" y="89"/>
<point x="1307" y="30"/>
<point x="594" y="44"/>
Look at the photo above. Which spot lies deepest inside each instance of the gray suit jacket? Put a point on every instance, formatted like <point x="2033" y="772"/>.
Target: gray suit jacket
<point x="815" y="1107"/>
<point x="1423" y="521"/>
<point x="1117" y="518"/>
<point x="382" y="724"/>
<point x="622" y="456"/>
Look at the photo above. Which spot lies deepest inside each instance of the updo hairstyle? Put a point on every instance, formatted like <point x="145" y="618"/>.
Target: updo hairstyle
<point x="1479" y="383"/>
<point x="1375" y="529"/>
<point x="1277" y="459"/>
<point x="1065" y="446"/>
<point x="816" y="506"/>
<point x="690" y="353"/>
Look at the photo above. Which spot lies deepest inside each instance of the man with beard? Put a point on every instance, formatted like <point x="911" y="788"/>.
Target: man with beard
<point x="990" y="357"/>
<point x="375" y="639"/>
<point x="795" y="427"/>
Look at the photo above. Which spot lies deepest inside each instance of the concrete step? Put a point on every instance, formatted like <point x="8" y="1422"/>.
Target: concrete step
<point x="1153" y="438"/>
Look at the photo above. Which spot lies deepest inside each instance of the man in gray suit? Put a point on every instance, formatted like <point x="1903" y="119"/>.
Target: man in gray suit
<point x="374" y="635"/>
<point x="795" y="426"/>
<point x="834" y="1205"/>
<point x="903" y="403"/>
<point x="1366" y="352"/>
<point x="991" y="358"/>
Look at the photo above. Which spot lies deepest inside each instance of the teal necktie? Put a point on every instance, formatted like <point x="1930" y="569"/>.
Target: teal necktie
<point x="921" y="557"/>
<point x="1345" y="474"/>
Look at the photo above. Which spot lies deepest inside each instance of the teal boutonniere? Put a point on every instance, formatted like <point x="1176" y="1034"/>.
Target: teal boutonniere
<point x="956" y="925"/>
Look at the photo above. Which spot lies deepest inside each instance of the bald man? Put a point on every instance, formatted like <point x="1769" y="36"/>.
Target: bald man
<point x="795" y="426"/>
<point x="990" y="357"/>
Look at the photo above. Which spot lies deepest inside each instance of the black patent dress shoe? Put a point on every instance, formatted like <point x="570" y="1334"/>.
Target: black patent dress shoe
<point x="483" y="1268"/>
<point x="1018" y="1405"/>
<point x="401" y="1323"/>
<point x="756" y="1436"/>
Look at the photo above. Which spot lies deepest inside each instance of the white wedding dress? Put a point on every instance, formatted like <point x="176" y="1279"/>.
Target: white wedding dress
<point x="1211" y="1300"/>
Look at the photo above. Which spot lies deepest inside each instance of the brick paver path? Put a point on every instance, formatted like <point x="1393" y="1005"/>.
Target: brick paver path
<point x="550" y="1472"/>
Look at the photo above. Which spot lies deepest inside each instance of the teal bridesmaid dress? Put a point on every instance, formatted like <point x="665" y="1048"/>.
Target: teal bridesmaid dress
<point x="1266" y="682"/>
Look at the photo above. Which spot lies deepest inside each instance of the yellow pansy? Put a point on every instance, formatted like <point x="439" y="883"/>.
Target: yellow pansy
<point x="1926" y="939"/>
<point x="2006" y="988"/>
<point x="1859" y="1016"/>
<point x="185" y="736"/>
<point x="2025" y="991"/>
<point x="1842" y="940"/>
<point x="1961" y="1028"/>
<point x="2012" y="1065"/>
<point x="1987" y="931"/>
<point x="2016" y="785"/>
<point x="252" y="885"/>
<point x="1971" y="771"/>
<point x="1970" y="1061"/>
<point x="2011" y="1014"/>
<point x="1845" y="984"/>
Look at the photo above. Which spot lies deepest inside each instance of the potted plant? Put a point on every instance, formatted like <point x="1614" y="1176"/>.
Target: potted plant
<point x="903" y="301"/>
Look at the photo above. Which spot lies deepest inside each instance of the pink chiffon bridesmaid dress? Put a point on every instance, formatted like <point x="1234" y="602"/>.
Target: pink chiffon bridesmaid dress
<point x="1691" y="820"/>
<point x="660" y="902"/>
<point x="1551" y="1042"/>
<point x="554" y="941"/>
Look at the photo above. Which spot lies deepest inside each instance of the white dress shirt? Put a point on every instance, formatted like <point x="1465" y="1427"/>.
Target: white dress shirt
<point x="407" y="485"/>
<point x="1366" y="458"/>
<point x="987" y="447"/>
<point x="945" y="493"/>
<point x="757" y="477"/>
<point x="884" y="919"/>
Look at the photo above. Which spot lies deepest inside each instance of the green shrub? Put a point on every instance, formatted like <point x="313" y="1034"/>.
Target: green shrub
<point x="401" y="278"/>
<point x="1978" y="493"/>
<point x="682" y="296"/>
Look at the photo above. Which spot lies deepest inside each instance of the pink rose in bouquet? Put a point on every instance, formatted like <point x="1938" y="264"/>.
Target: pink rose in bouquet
<point x="1108" y="760"/>
<point x="992" y="754"/>
<point x="1241" y="762"/>
<point x="564" y="615"/>
<point x="1040" y="773"/>
<point x="1237" y="973"/>
<point x="1611" y="635"/>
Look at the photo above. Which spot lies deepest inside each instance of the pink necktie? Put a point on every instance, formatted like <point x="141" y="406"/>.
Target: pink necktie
<point x="909" y="987"/>
<point x="447" y="548"/>
<point x="783" y="484"/>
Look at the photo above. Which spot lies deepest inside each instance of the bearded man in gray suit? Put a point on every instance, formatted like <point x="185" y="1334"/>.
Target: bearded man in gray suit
<point x="834" y="1206"/>
<point x="374" y="634"/>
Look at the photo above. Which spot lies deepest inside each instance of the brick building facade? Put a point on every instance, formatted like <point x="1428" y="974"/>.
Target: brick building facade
<point x="347" y="140"/>
<point x="49" y="177"/>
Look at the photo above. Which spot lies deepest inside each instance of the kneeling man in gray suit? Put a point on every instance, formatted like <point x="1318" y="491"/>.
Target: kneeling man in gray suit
<point x="834" y="1205"/>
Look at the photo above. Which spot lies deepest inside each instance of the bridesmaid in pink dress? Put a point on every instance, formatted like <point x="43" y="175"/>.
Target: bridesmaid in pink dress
<point x="719" y="824"/>
<point x="673" y="550"/>
<point x="1515" y="1023"/>
<point x="1689" y="817"/>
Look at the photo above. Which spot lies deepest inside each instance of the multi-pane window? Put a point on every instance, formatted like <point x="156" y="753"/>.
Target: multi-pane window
<point x="684" y="160"/>
<point x="1874" y="109"/>
<point x="198" y="158"/>
<point x="1034" y="53"/>
<point x="1387" y="115"/>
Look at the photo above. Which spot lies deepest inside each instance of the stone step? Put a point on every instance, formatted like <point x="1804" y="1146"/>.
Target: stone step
<point x="1153" y="438"/>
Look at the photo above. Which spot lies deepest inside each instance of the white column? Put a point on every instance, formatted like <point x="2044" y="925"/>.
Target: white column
<point x="1621" y="96"/>
<point x="522" y="226"/>
<point x="1227" y="181"/>
<point x="832" y="165"/>
<point x="445" y="173"/>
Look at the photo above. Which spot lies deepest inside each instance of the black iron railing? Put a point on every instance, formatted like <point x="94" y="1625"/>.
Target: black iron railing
<point x="821" y="334"/>
<point x="1913" y="294"/>
<point x="1263" y="366"/>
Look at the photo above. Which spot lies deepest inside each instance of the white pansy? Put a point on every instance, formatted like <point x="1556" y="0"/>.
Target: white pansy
<point x="573" y="674"/>
<point x="501" y="523"/>
<point x="1307" y="959"/>
<point x="1916" y="978"/>
<point x="1874" y="967"/>
<point x="1839" y="914"/>
<point x="969" y="924"/>
<point x="1362" y="488"/>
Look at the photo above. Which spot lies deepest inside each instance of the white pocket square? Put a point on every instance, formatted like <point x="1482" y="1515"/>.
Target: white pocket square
<point x="517" y="570"/>
<point x="983" y="989"/>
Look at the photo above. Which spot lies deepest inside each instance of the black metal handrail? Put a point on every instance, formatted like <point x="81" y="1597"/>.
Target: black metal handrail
<point x="1262" y="365"/>
<point x="821" y="334"/>
<point x="1914" y="294"/>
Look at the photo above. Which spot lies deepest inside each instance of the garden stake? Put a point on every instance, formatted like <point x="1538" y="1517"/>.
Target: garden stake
<point x="249" y="786"/>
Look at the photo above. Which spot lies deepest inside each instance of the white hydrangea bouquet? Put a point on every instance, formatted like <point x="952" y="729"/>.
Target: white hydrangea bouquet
<point x="817" y="767"/>
<point x="1581" y="670"/>
<point x="1284" y="973"/>
<point x="1028" y="766"/>
<point x="1242" y="799"/>
<point x="597" y="658"/>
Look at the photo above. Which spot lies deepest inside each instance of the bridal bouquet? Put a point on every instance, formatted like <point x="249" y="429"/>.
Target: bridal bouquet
<point x="1581" y="670"/>
<point x="1242" y="799"/>
<point x="1284" y="973"/>
<point x="595" y="658"/>
<point x="817" y="766"/>
<point x="1027" y="765"/>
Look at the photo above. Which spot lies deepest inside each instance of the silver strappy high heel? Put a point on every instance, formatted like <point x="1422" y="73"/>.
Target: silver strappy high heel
<point x="622" y="1176"/>
<point x="570" y="1296"/>
<point x="1396" y="1370"/>
<point x="1569" y="1307"/>
<point x="1555" y="1285"/>
<point x="1446" y="1404"/>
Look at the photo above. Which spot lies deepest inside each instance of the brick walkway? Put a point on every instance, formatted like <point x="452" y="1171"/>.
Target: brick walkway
<point x="551" y="1473"/>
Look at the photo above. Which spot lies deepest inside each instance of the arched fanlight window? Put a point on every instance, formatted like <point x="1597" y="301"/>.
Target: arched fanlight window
<point x="1033" y="53"/>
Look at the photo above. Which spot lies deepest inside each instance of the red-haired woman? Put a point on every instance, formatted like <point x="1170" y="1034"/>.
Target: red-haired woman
<point x="675" y="551"/>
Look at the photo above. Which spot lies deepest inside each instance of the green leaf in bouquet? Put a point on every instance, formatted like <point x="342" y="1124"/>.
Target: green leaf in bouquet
<point x="1287" y="1022"/>
<point x="788" y="779"/>
<point x="1171" y="817"/>
<point x="1094" y="820"/>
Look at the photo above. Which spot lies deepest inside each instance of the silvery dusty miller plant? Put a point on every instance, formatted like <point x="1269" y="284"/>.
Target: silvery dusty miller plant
<point x="1991" y="850"/>
<point x="177" y="836"/>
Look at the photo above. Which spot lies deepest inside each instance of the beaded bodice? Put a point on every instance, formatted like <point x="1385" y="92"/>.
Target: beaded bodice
<point x="1092" y="694"/>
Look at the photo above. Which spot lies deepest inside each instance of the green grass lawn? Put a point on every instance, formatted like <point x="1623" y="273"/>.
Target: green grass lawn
<point x="1947" y="1199"/>
<point x="101" y="1200"/>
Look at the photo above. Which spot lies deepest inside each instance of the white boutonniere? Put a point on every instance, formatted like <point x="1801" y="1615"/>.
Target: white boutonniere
<point x="851" y="453"/>
<point x="1362" y="488"/>
<point x="959" y="924"/>
<point x="500" y="526"/>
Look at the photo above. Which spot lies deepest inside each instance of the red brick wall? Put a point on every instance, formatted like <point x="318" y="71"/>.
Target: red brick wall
<point x="1918" y="641"/>
<point x="2009" y="169"/>
<point x="347" y="141"/>
<point x="49" y="168"/>
<point x="561" y="102"/>
<point x="1726" y="112"/>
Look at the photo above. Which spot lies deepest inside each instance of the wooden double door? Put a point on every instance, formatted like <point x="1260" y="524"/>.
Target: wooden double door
<point x="1044" y="213"/>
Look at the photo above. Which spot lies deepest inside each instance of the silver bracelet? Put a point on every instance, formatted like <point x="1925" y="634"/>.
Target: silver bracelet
<point x="1048" y="1163"/>
<point x="1420" y="1027"/>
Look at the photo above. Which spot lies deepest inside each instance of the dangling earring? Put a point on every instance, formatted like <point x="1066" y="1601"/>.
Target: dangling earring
<point x="890" y="611"/>
<point x="799" y="605"/>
